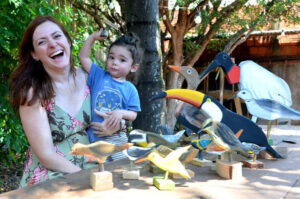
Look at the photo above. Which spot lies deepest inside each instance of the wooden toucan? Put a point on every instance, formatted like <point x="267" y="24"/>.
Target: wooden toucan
<point x="251" y="132"/>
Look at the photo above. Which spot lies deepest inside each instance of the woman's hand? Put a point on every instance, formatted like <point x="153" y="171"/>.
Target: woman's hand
<point x="114" y="119"/>
<point x="102" y="128"/>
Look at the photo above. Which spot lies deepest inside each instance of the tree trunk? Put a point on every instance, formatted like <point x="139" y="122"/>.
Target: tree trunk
<point x="142" y="19"/>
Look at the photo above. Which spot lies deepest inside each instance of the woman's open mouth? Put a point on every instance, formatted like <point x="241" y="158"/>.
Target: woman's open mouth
<point x="57" y="54"/>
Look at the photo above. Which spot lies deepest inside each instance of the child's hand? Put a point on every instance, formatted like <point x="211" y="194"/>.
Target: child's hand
<point x="98" y="36"/>
<point x="114" y="119"/>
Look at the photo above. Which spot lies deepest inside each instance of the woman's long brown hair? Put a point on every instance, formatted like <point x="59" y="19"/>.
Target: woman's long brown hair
<point x="31" y="73"/>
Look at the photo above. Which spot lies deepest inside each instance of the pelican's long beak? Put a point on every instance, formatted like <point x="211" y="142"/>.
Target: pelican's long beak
<point x="141" y="160"/>
<point x="192" y="97"/>
<point x="231" y="70"/>
<point x="175" y="68"/>
<point x="211" y="67"/>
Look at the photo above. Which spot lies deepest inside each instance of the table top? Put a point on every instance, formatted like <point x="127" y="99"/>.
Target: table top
<point x="278" y="179"/>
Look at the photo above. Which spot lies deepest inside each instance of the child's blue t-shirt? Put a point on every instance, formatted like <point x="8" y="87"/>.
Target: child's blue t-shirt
<point x="108" y="94"/>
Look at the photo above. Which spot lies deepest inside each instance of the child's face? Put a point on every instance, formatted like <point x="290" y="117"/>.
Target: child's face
<point x="119" y="62"/>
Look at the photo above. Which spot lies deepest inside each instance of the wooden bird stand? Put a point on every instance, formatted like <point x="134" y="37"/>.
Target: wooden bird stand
<point x="101" y="181"/>
<point x="163" y="184"/>
<point x="229" y="170"/>
<point x="131" y="174"/>
<point x="253" y="163"/>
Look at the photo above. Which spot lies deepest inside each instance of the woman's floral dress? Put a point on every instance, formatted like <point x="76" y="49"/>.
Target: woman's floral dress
<point x="66" y="131"/>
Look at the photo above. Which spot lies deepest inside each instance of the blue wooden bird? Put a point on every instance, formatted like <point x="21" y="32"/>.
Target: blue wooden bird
<point x="251" y="132"/>
<point x="133" y="153"/>
<point x="201" y="144"/>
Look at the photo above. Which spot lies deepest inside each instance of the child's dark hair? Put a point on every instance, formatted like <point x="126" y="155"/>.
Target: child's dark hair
<point x="132" y="43"/>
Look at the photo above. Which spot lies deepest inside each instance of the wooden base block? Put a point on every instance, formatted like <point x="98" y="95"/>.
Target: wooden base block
<point x="201" y="163"/>
<point x="282" y="150"/>
<point x="251" y="164"/>
<point x="131" y="175"/>
<point x="154" y="169"/>
<point x="266" y="156"/>
<point x="101" y="181"/>
<point x="162" y="184"/>
<point x="229" y="170"/>
<point x="177" y="176"/>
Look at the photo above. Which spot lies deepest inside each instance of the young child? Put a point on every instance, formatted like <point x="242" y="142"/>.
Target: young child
<point x="112" y="96"/>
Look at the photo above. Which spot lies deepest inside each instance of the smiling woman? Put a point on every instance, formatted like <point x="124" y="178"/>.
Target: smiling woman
<point x="52" y="99"/>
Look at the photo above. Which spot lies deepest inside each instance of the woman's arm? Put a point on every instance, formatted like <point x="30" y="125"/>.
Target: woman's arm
<point x="36" y="126"/>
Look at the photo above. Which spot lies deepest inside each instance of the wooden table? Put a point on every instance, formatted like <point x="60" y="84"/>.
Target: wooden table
<point x="279" y="179"/>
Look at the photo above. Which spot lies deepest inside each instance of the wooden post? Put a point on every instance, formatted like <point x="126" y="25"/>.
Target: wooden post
<point x="229" y="170"/>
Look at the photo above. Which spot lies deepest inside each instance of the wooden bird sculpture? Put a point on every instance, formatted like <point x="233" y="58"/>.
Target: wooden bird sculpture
<point x="189" y="73"/>
<point x="255" y="149"/>
<point x="223" y="137"/>
<point x="251" y="132"/>
<point x="170" y="163"/>
<point x="133" y="153"/>
<point x="98" y="151"/>
<point x="186" y="157"/>
<point x="252" y="78"/>
<point x="268" y="109"/>
<point x="140" y="136"/>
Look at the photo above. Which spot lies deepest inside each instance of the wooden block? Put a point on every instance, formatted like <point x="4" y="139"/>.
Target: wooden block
<point x="154" y="169"/>
<point x="251" y="164"/>
<point x="101" y="181"/>
<point x="177" y="176"/>
<point x="229" y="170"/>
<point x="162" y="184"/>
<point x="131" y="175"/>
<point x="266" y="156"/>
<point x="282" y="150"/>
<point x="201" y="163"/>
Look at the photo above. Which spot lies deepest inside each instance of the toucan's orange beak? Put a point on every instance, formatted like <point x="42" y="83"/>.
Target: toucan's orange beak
<point x="192" y="97"/>
<point x="175" y="68"/>
<point x="141" y="160"/>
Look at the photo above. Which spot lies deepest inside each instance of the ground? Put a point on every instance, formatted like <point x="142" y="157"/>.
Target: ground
<point x="10" y="177"/>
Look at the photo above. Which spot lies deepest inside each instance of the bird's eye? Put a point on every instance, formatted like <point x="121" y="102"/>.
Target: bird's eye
<point x="189" y="71"/>
<point x="208" y="100"/>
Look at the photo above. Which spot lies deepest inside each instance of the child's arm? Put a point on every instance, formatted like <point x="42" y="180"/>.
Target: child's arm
<point x="85" y="51"/>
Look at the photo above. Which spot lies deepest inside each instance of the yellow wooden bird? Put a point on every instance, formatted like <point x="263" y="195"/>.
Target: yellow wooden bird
<point x="186" y="157"/>
<point x="170" y="163"/>
<point x="99" y="150"/>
